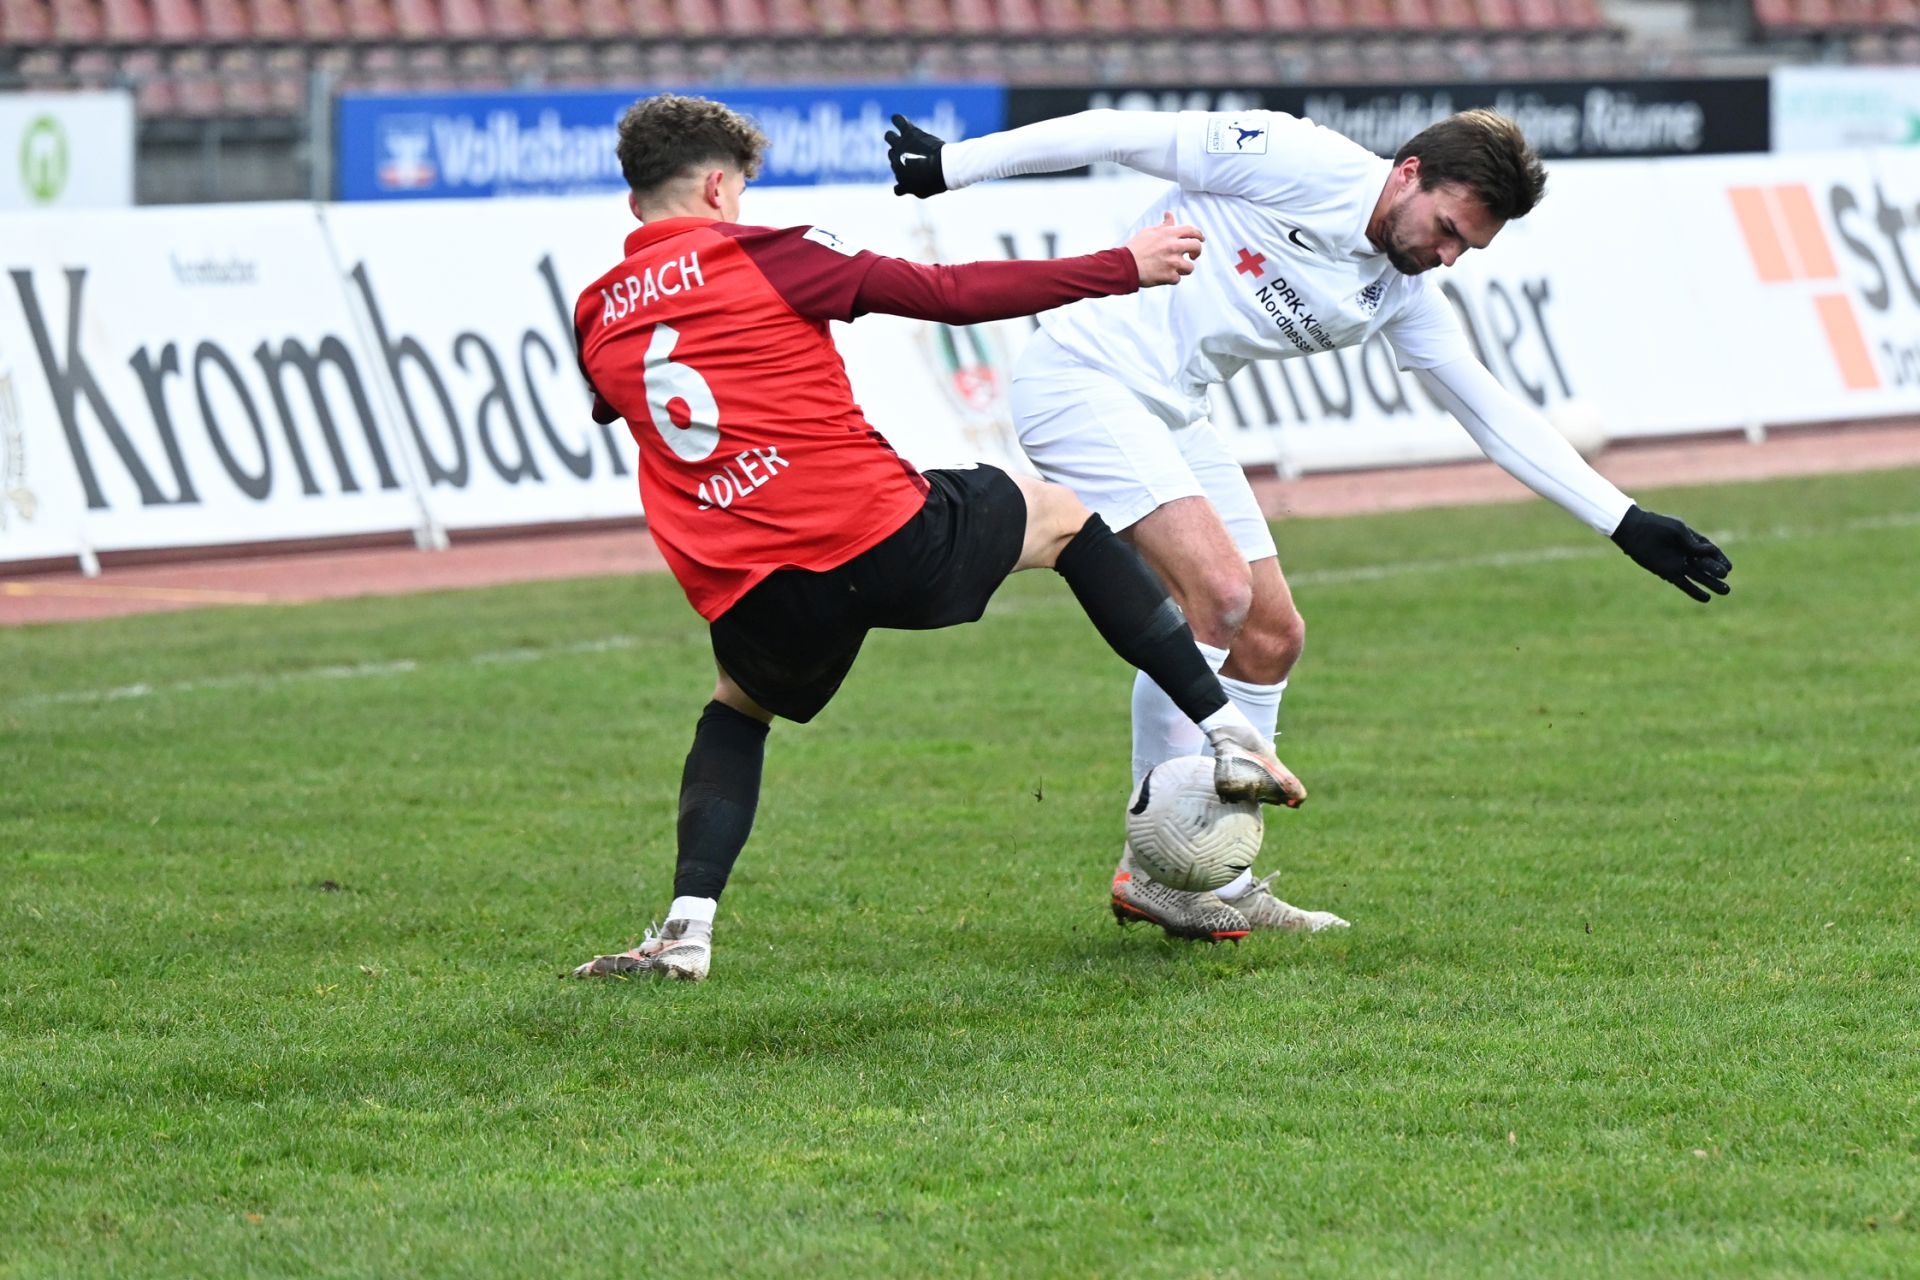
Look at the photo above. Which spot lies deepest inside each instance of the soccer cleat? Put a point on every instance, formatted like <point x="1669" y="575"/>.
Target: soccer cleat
<point x="1245" y="768"/>
<point x="1203" y="916"/>
<point x="682" y="949"/>
<point x="1264" y="911"/>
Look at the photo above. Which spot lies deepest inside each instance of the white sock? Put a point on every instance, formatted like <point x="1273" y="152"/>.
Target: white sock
<point x="1260" y="703"/>
<point x="697" y="909"/>
<point x="1161" y="731"/>
<point x="1235" y="888"/>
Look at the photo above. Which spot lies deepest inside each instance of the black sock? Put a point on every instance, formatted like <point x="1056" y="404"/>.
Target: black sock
<point x="719" y="790"/>
<point x="1133" y="614"/>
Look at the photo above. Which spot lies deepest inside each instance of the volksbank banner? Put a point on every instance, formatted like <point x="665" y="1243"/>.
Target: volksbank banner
<point x="406" y="147"/>
<point x="1563" y="119"/>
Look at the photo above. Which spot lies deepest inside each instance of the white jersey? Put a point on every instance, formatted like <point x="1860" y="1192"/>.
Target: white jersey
<point x="1288" y="269"/>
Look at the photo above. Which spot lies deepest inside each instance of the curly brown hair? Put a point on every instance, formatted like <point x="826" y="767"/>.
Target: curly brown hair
<point x="663" y="137"/>
<point x="1484" y="152"/>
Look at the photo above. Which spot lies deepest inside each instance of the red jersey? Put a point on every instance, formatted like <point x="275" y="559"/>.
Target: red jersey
<point x="711" y="340"/>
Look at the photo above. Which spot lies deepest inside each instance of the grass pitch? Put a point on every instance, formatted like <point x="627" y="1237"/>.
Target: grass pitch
<point x="1632" y="989"/>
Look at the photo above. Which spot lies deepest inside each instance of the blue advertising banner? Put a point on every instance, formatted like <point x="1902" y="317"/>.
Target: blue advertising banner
<point x="546" y="142"/>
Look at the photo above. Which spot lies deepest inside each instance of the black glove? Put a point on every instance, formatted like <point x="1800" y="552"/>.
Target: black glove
<point x="1667" y="548"/>
<point x="915" y="156"/>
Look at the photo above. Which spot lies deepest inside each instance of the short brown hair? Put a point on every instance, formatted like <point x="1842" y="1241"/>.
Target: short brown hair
<point x="1484" y="152"/>
<point x="665" y="136"/>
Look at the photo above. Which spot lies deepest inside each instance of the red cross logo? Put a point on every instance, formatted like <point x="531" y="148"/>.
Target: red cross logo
<point x="1249" y="264"/>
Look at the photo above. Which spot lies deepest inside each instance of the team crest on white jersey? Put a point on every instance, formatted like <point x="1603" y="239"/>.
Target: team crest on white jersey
<point x="1237" y="136"/>
<point x="822" y="236"/>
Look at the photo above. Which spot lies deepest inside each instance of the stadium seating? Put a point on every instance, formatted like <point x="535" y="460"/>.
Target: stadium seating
<point x="246" y="57"/>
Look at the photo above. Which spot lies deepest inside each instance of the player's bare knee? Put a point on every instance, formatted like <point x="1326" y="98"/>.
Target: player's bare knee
<point x="1054" y="516"/>
<point x="1269" y="647"/>
<point x="1218" y="607"/>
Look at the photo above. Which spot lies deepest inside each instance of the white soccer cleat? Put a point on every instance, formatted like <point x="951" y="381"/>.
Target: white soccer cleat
<point x="1203" y="916"/>
<point x="1245" y="768"/>
<point x="1264" y="911"/>
<point x="682" y="949"/>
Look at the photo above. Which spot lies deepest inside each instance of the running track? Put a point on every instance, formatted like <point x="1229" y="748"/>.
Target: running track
<point x="298" y="577"/>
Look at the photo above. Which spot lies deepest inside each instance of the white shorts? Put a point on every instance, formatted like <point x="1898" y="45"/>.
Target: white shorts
<point x="1088" y="431"/>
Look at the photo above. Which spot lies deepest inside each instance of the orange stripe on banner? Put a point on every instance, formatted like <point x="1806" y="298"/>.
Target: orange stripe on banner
<point x="1848" y="342"/>
<point x="1763" y="241"/>
<point x="1803" y="227"/>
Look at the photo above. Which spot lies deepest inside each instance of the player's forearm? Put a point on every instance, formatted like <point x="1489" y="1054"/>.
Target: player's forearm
<point x="974" y="292"/>
<point x="1142" y="140"/>
<point x="1524" y="444"/>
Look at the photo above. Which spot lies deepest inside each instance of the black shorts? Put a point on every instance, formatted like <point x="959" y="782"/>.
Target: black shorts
<point x="791" y="640"/>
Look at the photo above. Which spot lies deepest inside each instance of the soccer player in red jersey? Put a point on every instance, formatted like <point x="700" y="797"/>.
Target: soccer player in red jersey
<point x="790" y="522"/>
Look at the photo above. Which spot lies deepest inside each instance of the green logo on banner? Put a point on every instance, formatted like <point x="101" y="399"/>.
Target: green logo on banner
<point x="43" y="160"/>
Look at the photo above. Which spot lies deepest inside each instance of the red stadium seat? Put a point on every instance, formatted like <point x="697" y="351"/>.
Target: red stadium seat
<point x="836" y="17"/>
<point x="501" y="19"/>
<point x="1016" y="17"/>
<point x="1285" y="15"/>
<point x="1537" y="15"/>
<point x="742" y="18"/>
<point x="1327" y="15"/>
<point x="651" y="18"/>
<point x="128" y="21"/>
<point x="369" y="19"/>
<point x="1454" y="15"/>
<point x="792" y="18"/>
<point x="695" y="17"/>
<point x="221" y="21"/>
<point x="1496" y="15"/>
<point x="78" y="21"/>
<point x="1898" y="15"/>
<point x="1582" y="15"/>
<point x="558" y="19"/>
<point x="1369" y="15"/>
<point x="929" y="17"/>
<point x="879" y="17"/>
<point x="125" y="22"/>
<point x="1062" y="17"/>
<point x="1196" y="16"/>
<point x="486" y="19"/>
<point x="321" y="20"/>
<point x="417" y="19"/>
<point x="607" y="18"/>
<point x="975" y="17"/>
<point x="272" y="19"/>
<point x="25" y="22"/>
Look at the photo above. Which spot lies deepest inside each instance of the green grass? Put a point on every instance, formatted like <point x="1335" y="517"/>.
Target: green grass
<point x="1631" y="990"/>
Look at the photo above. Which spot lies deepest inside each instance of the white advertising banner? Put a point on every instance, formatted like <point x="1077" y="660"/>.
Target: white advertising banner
<point x="191" y="376"/>
<point x="66" y="150"/>
<point x="215" y="375"/>
<point x="1811" y="268"/>
<point x="466" y="310"/>
<point x="1839" y="108"/>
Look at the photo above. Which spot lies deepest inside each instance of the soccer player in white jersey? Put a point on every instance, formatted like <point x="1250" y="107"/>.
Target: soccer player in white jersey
<point x="1316" y="244"/>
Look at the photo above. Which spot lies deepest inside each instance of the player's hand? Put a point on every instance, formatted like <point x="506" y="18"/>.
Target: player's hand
<point x="1667" y="548"/>
<point x="915" y="156"/>
<point x="1166" y="252"/>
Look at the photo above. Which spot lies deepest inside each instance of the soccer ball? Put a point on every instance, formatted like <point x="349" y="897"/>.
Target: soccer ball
<point x="1185" y="836"/>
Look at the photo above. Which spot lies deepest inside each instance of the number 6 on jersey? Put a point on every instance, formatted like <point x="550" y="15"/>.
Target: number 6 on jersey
<point x="694" y="432"/>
